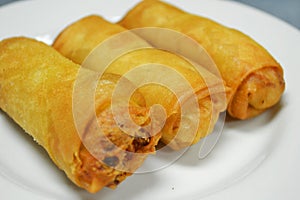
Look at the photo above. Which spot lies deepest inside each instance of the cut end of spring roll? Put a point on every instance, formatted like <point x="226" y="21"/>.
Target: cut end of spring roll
<point x="37" y="93"/>
<point x="261" y="90"/>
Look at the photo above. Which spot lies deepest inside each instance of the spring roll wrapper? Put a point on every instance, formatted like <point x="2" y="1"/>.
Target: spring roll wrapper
<point x="253" y="75"/>
<point x="36" y="88"/>
<point x="78" y="40"/>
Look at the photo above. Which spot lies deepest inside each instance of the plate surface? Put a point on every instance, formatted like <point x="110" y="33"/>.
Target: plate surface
<point x="254" y="159"/>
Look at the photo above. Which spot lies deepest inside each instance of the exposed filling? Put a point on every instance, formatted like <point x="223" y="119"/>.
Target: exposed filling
<point x="107" y="158"/>
<point x="209" y="107"/>
<point x="259" y="91"/>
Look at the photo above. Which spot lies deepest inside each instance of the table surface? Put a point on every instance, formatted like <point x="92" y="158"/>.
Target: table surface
<point x="287" y="10"/>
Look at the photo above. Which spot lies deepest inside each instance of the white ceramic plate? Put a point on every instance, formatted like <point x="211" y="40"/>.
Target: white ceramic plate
<point x="254" y="159"/>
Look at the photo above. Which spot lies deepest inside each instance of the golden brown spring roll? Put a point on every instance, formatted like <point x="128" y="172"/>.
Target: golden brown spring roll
<point x="254" y="76"/>
<point x="37" y="93"/>
<point x="78" y="40"/>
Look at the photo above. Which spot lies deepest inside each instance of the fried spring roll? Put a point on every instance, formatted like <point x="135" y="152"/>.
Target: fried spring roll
<point x="36" y="91"/>
<point x="254" y="76"/>
<point x="78" y="40"/>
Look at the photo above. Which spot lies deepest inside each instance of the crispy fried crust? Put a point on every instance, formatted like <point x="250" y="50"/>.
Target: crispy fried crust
<point x="254" y="76"/>
<point x="37" y="92"/>
<point x="71" y="42"/>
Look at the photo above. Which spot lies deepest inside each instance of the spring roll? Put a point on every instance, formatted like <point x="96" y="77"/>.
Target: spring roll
<point x="81" y="39"/>
<point x="253" y="75"/>
<point x="36" y="91"/>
